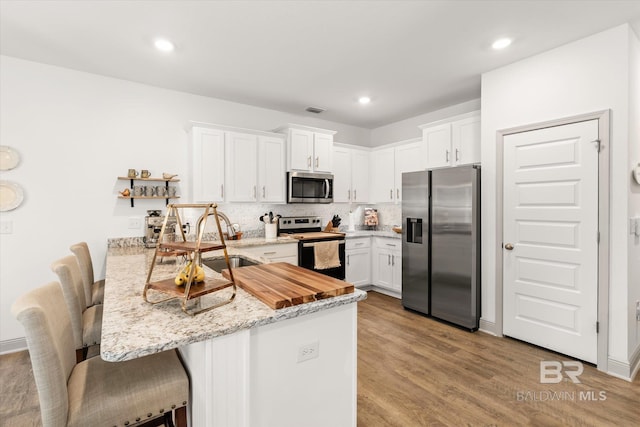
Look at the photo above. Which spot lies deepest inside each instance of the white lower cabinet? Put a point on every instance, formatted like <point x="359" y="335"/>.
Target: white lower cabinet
<point x="280" y="252"/>
<point x="358" y="254"/>
<point x="387" y="263"/>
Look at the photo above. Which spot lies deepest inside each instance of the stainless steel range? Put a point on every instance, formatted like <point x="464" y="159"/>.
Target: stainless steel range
<point x="315" y="246"/>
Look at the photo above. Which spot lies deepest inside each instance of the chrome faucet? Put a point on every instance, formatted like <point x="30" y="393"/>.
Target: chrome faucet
<point x="231" y="232"/>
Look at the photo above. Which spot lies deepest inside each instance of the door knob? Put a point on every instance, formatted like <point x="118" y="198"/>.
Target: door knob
<point x="508" y="247"/>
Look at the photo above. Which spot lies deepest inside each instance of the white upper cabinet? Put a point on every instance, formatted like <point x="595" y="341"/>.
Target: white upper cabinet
<point x="409" y="157"/>
<point x="360" y="181"/>
<point x="271" y="169"/>
<point x="387" y="166"/>
<point x="308" y="149"/>
<point x="453" y="142"/>
<point x="230" y="164"/>
<point x="300" y="149"/>
<point x="350" y="175"/>
<point x="241" y="175"/>
<point x="383" y="175"/>
<point x="206" y="163"/>
<point x="438" y="144"/>
<point x="465" y="139"/>
<point x="322" y="150"/>
<point x="341" y="174"/>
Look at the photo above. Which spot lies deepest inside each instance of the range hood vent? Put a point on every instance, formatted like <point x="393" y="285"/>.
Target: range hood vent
<point x="315" y="110"/>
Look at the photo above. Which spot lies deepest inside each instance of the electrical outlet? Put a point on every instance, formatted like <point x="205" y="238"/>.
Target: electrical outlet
<point x="6" y="227"/>
<point x="135" y="223"/>
<point x="309" y="351"/>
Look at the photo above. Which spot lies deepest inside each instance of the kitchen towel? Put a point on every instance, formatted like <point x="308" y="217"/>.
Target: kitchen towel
<point x="325" y="255"/>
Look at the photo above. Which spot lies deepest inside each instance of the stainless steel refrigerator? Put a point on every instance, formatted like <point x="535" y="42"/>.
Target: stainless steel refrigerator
<point x="455" y="245"/>
<point x="415" y="241"/>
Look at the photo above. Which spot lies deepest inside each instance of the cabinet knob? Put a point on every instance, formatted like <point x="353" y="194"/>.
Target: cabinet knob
<point x="447" y="156"/>
<point x="457" y="154"/>
<point x="355" y="194"/>
<point x="508" y="247"/>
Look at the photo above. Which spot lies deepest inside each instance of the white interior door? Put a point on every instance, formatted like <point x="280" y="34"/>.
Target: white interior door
<point x="550" y="220"/>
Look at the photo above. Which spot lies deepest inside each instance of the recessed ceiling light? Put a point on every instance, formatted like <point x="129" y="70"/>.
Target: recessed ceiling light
<point x="163" y="45"/>
<point x="501" y="43"/>
<point x="364" y="100"/>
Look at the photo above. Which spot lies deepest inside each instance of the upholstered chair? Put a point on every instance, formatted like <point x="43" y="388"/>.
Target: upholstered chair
<point x="150" y="390"/>
<point x="94" y="290"/>
<point x="86" y="322"/>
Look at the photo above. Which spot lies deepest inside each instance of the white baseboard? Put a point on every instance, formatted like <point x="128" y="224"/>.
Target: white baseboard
<point x="635" y="363"/>
<point x="489" y="328"/>
<point x="386" y="292"/>
<point x="624" y="370"/>
<point x="11" y="346"/>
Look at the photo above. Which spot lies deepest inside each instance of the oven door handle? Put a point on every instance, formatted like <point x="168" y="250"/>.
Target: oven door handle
<point x="310" y="245"/>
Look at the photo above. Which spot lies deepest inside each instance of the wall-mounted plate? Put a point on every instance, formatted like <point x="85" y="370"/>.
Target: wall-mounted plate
<point x="11" y="195"/>
<point x="9" y="158"/>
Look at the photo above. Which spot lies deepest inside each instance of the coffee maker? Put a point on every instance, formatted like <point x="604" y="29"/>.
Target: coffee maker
<point x="153" y="225"/>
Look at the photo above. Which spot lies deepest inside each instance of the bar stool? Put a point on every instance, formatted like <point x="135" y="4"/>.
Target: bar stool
<point x="94" y="290"/>
<point x="86" y="322"/>
<point x="147" y="390"/>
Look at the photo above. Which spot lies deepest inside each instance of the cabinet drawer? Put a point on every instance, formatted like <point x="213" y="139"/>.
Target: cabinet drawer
<point x="357" y="243"/>
<point x="274" y="251"/>
<point x="388" y="242"/>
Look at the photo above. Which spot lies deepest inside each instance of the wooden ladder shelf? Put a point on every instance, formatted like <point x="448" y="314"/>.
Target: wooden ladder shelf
<point x="193" y="252"/>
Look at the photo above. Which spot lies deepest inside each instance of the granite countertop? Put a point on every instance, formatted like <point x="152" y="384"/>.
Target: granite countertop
<point x="133" y="328"/>
<point x="374" y="233"/>
<point x="259" y="241"/>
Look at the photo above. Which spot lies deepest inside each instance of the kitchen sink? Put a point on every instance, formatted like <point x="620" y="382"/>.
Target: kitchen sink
<point x="218" y="263"/>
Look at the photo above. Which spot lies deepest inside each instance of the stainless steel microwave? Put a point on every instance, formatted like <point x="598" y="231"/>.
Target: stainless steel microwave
<point x="309" y="187"/>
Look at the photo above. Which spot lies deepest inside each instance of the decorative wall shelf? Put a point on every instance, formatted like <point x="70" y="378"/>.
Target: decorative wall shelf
<point x="150" y="179"/>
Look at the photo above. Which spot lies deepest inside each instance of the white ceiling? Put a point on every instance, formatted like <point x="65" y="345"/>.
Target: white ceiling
<point x="410" y="57"/>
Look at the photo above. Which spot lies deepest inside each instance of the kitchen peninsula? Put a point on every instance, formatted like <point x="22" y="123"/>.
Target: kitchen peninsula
<point x="249" y="365"/>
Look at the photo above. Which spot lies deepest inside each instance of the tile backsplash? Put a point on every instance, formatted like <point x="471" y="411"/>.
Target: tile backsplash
<point x="248" y="214"/>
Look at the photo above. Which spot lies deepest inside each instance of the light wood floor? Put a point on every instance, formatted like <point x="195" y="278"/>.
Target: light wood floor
<point x="414" y="371"/>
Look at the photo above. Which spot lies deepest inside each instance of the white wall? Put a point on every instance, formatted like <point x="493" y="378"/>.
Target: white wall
<point x="408" y="128"/>
<point x="634" y="188"/>
<point x="76" y="132"/>
<point x="585" y="76"/>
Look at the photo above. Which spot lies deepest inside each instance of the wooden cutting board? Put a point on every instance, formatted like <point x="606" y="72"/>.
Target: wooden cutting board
<point x="281" y="284"/>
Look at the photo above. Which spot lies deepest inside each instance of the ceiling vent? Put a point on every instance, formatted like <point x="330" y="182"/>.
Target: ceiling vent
<point x="315" y="110"/>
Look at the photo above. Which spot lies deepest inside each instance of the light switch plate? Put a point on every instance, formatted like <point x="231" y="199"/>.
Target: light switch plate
<point x="634" y="226"/>
<point x="135" y="223"/>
